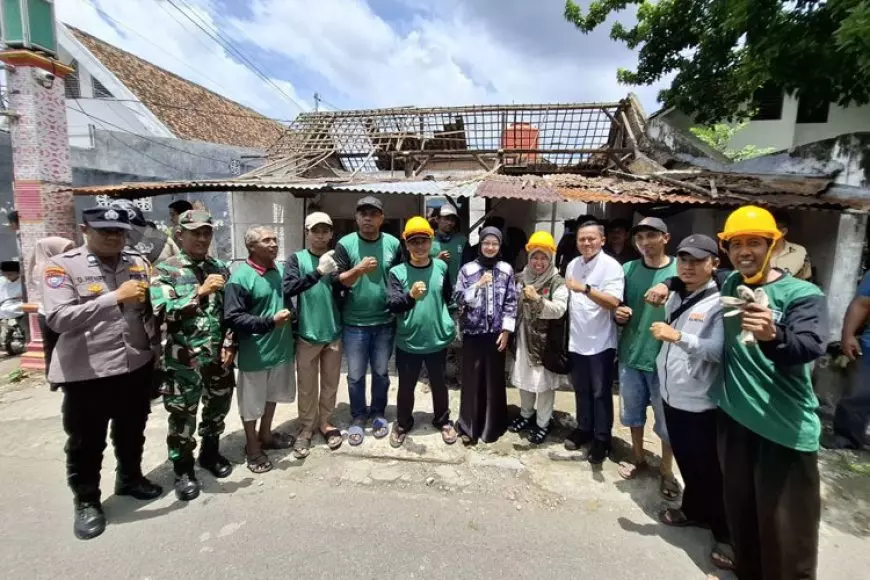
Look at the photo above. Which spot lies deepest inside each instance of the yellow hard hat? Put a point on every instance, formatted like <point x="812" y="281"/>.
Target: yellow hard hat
<point x="750" y="220"/>
<point x="541" y="241"/>
<point x="417" y="226"/>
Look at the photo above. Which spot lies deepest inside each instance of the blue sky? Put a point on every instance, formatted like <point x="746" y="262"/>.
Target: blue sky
<point x="367" y="53"/>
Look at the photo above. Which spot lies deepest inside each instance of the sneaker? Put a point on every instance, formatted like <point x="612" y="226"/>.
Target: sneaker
<point x="89" y="520"/>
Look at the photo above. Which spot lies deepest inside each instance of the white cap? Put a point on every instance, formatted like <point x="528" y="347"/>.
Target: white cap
<point x="317" y="218"/>
<point x="447" y="209"/>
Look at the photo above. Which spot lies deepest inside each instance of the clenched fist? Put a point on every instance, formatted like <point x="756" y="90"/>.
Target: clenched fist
<point x="327" y="264"/>
<point x="418" y="290"/>
<point x="368" y="264"/>
<point x="282" y="318"/>
<point x="485" y="280"/>
<point x="214" y="283"/>
<point x="530" y="294"/>
<point x="622" y="314"/>
<point x="131" y="292"/>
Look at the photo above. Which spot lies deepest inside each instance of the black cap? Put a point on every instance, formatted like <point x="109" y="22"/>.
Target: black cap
<point x="137" y="218"/>
<point x="370" y="201"/>
<point x="650" y="223"/>
<point x="106" y="218"/>
<point x="180" y="206"/>
<point x="699" y="247"/>
<point x="10" y="266"/>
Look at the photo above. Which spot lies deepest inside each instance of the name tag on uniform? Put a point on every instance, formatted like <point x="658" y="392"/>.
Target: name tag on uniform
<point x="54" y="276"/>
<point x="697" y="317"/>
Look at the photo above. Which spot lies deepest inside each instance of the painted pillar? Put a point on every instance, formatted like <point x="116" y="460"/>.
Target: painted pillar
<point x="41" y="165"/>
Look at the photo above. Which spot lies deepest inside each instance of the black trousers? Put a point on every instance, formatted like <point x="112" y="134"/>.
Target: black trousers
<point x="409" y="366"/>
<point x="772" y="504"/>
<point x="592" y="378"/>
<point x="88" y="407"/>
<point x="49" y="341"/>
<point x="853" y="410"/>
<point x="483" y="398"/>
<point x="694" y="441"/>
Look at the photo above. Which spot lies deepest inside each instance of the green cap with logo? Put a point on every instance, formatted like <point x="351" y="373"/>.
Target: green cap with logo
<point x="194" y="219"/>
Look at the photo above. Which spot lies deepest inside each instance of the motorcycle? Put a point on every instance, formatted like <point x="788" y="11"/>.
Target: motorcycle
<point x="11" y="330"/>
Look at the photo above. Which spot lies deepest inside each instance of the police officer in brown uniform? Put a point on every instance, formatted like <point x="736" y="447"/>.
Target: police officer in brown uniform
<point x="96" y="299"/>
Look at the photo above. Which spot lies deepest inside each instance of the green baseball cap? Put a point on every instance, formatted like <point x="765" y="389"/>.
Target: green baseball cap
<point x="193" y="219"/>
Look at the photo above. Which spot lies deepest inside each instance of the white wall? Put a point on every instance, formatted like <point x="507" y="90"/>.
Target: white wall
<point x="279" y="210"/>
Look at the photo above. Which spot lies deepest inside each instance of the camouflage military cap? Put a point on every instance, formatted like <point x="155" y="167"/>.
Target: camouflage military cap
<point x="194" y="219"/>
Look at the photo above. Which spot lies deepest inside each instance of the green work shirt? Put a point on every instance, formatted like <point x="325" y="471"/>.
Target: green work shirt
<point x="319" y="319"/>
<point x="455" y="245"/>
<point x="774" y="399"/>
<point x="637" y="347"/>
<point x="365" y="303"/>
<point x="423" y="326"/>
<point x="252" y="299"/>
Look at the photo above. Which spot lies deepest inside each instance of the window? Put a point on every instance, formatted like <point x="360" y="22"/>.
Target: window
<point x="72" y="90"/>
<point x="768" y="102"/>
<point x="100" y="90"/>
<point x="812" y="110"/>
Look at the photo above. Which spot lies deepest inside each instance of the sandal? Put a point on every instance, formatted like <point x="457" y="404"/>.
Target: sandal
<point x="669" y="487"/>
<point x="539" y="434"/>
<point x="722" y="557"/>
<point x="397" y="437"/>
<point x="677" y="518"/>
<point x="521" y="423"/>
<point x="333" y="438"/>
<point x="259" y="463"/>
<point x="448" y="434"/>
<point x="278" y="442"/>
<point x="302" y="447"/>
<point x="629" y="470"/>
<point x="356" y="434"/>
<point x="380" y="428"/>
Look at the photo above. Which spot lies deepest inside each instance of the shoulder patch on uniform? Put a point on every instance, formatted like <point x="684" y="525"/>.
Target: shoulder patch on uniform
<point x="54" y="276"/>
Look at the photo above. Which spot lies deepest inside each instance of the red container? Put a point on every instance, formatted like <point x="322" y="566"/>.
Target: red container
<point x="520" y="136"/>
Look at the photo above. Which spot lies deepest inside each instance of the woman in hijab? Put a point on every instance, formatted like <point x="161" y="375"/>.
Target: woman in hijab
<point x="544" y="297"/>
<point x="43" y="251"/>
<point x="486" y="294"/>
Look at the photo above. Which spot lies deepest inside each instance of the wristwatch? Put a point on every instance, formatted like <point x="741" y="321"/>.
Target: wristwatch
<point x="587" y="288"/>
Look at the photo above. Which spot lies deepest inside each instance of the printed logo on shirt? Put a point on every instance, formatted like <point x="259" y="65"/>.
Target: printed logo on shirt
<point x="697" y="317"/>
<point x="54" y="276"/>
<point x="777" y="315"/>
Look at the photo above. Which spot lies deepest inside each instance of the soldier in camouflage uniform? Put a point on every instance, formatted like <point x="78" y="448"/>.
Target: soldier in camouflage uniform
<point x="187" y="293"/>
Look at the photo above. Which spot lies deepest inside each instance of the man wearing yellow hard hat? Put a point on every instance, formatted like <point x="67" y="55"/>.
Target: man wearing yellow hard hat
<point x="419" y="293"/>
<point x="768" y="427"/>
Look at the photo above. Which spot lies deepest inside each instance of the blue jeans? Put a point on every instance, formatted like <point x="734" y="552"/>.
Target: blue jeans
<point x="637" y="391"/>
<point x="367" y="346"/>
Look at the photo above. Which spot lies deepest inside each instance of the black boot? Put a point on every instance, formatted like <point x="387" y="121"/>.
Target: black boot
<point x="137" y="487"/>
<point x="89" y="520"/>
<point x="211" y="460"/>
<point x="186" y="485"/>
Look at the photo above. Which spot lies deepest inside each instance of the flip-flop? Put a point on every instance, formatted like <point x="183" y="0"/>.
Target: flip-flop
<point x="397" y="438"/>
<point x="259" y="463"/>
<point x="302" y="447"/>
<point x="279" y="441"/>
<point x="669" y="487"/>
<point x="675" y="517"/>
<point x="333" y="438"/>
<point x="355" y="435"/>
<point x="721" y="557"/>
<point x="380" y="428"/>
<point x="449" y="434"/>
<point x="629" y="470"/>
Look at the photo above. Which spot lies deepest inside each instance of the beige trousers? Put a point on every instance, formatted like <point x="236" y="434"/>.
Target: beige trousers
<point x="318" y="370"/>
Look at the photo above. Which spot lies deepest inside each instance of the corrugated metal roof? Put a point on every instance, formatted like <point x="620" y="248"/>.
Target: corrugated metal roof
<point x="426" y="187"/>
<point x="530" y="188"/>
<point x="151" y="189"/>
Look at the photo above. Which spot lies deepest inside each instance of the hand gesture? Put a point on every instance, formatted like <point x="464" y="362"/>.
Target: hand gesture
<point x="623" y="314"/>
<point x="851" y="348"/>
<point x="327" y="264"/>
<point x="530" y="294"/>
<point x="282" y="318"/>
<point x="214" y="283"/>
<point x="502" y="340"/>
<point x="368" y="264"/>
<point x="131" y="292"/>
<point x="228" y="355"/>
<point x="664" y="332"/>
<point x="445" y="255"/>
<point x="758" y="320"/>
<point x="485" y="280"/>
<point x="418" y="290"/>
<point x="574" y="285"/>
<point x="657" y="295"/>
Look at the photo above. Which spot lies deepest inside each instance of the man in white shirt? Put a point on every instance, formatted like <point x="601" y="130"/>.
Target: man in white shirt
<point x="597" y="283"/>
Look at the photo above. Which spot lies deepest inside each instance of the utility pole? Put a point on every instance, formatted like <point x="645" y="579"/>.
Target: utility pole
<point x="316" y="102"/>
<point x="42" y="175"/>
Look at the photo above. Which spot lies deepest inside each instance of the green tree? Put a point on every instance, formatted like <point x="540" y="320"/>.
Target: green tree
<point x="719" y="52"/>
<point x="719" y="135"/>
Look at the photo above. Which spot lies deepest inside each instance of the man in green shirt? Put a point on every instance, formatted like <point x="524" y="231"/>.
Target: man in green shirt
<point x="638" y="350"/>
<point x="449" y="242"/>
<point x="254" y="311"/>
<point x="310" y="278"/>
<point x="768" y="428"/>
<point x="363" y="259"/>
<point x="420" y="292"/>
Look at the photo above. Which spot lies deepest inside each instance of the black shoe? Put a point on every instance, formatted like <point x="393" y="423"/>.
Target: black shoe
<point x="598" y="453"/>
<point x="211" y="460"/>
<point x="577" y="439"/>
<point x="186" y="487"/>
<point x="89" y="520"/>
<point x="538" y="434"/>
<point x="139" y="488"/>
<point x="521" y="424"/>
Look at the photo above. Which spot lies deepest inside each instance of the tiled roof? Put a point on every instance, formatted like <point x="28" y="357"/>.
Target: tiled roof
<point x="187" y="109"/>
